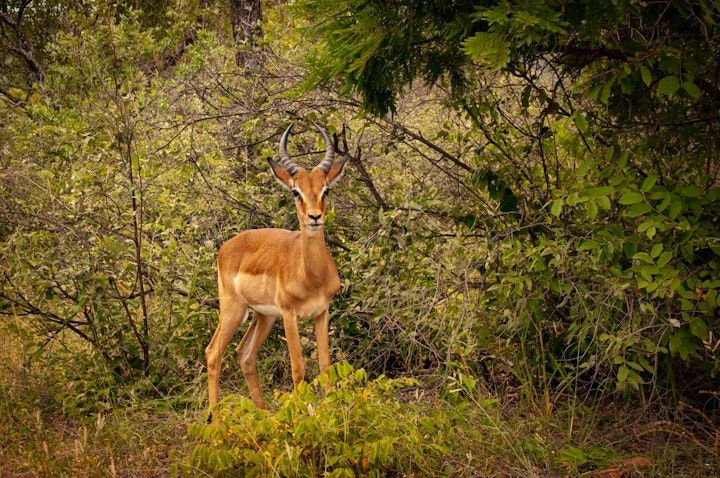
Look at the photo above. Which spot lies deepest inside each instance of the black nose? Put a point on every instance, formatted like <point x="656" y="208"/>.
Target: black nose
<point x="315" y="217"/>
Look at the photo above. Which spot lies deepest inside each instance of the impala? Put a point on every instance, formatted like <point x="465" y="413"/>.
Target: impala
<point x="279" y="273"/>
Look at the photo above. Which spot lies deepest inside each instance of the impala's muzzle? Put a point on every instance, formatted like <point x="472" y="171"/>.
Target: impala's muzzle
<point x="314" y="221"/>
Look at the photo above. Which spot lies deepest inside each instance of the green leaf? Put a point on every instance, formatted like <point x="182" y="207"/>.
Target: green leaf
<point x="675" y="343"/>
<point x="634" y="379"/>
<point x="666" y="198"/>
<point x="646" y="75"/>
<point x="609" y="153"/>
<point x="675" y="207"/>
<point x="556" y="208"/>
<point x="592" y="209"/>
<point x="638" y="209"/>
<point x="648" y="183"/>
<point x="664" y="258"/>
<point x="630" y="248"/>
<point x="630" y="198"/>
<point x="699" y="329"/>
<point x="626" y="85"/>
<point x="651" y="286"/>
<point x="643" y="256"/>
<point x="712" y="296"/>
<point x="606" y="90"/>
<point x="574" y="455"/>
<point x="692" y="89"/>
<point x="692" y="192"/>
<point x="623" y="372"/>
<point x="668" y="85"/>
<point x="598" y="191"/>
<point x="488" y="48"/>
<point x="656" y="250"/>
<point x="650" y="232"/>
<point x="580" y="122"/>
<point x="588" y="244"/>
<point x="585" y="167"/>
<point x="687" y="305"/>
<point x="622" y="161"/>
<point x="604" y="202"/>
<point x="381" y="217"/>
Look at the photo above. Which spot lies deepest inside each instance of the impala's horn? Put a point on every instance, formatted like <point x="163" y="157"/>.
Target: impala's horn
<point x="327" y="161"/>
<point x="285" y="160"/>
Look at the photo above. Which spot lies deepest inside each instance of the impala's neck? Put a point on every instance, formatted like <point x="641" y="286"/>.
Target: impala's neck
<point x="314" y="254"/>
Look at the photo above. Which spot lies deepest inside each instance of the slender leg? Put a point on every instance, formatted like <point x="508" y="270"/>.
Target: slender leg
<point x="292" y="335"/>
<point x="232" y="314"/>
<point x="323" y="342"/>
<point x="247" y="351"/>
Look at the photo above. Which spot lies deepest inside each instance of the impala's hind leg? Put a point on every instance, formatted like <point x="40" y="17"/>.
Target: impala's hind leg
<point x="232" y="314"/>
<point x="247" y="352"/>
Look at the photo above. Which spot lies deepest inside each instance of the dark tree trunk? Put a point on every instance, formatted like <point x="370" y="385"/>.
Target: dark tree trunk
<point x="245" y="19"/>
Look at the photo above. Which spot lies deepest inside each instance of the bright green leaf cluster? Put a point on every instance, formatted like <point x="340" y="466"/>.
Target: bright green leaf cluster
<point x="357" y="429"/>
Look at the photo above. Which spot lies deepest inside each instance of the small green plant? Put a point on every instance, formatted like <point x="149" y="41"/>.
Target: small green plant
<point x="357" y="428"/>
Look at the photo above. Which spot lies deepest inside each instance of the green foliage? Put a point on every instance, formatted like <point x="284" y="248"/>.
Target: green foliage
<point x="437" y="42"/>
<point x="534" y="233"/>
<point x="588" y="170"/>
<point x="357" y="41"/>
<point x="358" y="428"/>
<point x="110" y="223"/>
<point x="636" y="294"/>
<point x="531" y="217"/>
<point x="508" y="29"/>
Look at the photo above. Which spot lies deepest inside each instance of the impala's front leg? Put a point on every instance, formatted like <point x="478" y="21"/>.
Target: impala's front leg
<point x="292" y="335"/>
<point x="322" y="340"/>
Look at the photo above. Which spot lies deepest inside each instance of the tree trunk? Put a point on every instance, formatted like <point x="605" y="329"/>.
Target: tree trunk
<point x="245" y="19"/>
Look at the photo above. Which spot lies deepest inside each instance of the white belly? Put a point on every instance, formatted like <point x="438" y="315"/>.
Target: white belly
<point x="310" y="310"/>
<point x="259" y="291"/>
<point x="268" y="310"/>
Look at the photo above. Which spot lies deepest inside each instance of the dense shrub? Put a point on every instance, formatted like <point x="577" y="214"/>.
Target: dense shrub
<point x="358" y="428"/>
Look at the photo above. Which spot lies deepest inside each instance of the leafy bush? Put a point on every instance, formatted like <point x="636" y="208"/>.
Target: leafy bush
<point x="582" y="172"/>
<point x="358" y="428"/>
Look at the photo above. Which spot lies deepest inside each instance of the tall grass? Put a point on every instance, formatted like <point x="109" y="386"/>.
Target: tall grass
<point x="42" y="436"/>
<point x="455" y="427"/>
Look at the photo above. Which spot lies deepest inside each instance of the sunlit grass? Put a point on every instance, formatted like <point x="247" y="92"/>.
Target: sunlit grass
<point x="488" y="435"/>
<point x="40" y="438"/>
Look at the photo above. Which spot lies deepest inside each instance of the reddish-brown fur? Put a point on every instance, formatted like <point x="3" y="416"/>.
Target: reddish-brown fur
<point x="277" y="273"/>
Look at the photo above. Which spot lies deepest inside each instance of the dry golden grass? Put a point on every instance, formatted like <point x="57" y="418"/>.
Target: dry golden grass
<point x="39" y="438"/>
<point x="503" y="438"/>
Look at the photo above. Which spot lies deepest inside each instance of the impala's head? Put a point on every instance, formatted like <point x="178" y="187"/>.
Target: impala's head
<point x="310" y="189"/>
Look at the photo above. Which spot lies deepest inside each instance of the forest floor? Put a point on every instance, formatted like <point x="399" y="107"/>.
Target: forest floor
<point x="144" y="440"/>
<point x="42" y="436"/>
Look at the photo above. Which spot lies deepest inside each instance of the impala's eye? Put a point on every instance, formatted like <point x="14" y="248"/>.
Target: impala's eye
<point x="295" y="193"/>
<point x="326" y="192"/>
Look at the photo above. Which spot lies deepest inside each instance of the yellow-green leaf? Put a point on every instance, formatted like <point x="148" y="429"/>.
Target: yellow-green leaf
<point x="692" y="89"/>
<point x="630" y="198"/>
<point x="646" y="75"/>
<point x="668" y="85"/>
<point x="580" y="122"/>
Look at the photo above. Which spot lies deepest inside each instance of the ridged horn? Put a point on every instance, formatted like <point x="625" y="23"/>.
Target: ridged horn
<point x="327" y="161"/>
<point x="285" y="160"/>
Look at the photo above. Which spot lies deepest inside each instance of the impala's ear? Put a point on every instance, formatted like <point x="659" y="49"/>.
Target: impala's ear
<point x="336" y="170"/>
<point x="281" y="174"/>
